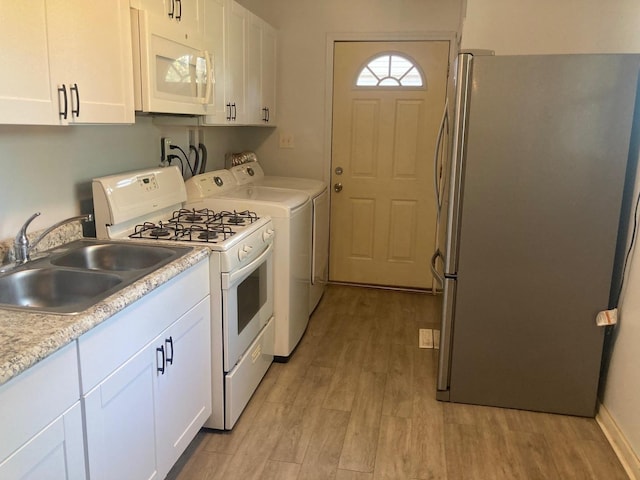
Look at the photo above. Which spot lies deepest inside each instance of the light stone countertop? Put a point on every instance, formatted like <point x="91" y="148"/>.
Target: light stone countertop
<point x="26" y="338"/>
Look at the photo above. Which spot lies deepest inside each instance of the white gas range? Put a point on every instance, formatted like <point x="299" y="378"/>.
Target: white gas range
<point x="149" y="205"/>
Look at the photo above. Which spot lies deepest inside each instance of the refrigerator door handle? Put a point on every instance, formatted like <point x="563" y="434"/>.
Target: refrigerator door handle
<point x="437" y="165"/>
<point x="458" y="154"/>
<point x="434" y="258"/>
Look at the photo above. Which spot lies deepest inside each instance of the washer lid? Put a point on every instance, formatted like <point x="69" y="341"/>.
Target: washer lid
<point x="291" y="199"/>
<point x="309" y="186"/>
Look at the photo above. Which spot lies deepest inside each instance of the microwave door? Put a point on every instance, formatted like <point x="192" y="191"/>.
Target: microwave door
<point x="174" y="73"/>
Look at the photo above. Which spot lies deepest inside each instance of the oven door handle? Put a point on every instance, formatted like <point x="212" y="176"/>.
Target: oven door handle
<point x="230" y="280"/>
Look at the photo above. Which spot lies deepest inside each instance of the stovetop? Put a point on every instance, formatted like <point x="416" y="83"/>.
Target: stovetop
<point x="201" y="225"/>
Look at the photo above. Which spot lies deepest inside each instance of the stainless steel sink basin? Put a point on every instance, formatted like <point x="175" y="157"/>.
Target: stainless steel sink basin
<point x="76" y="276"/>
<point x="57" y="290"/>
<point x="115" y="257"/>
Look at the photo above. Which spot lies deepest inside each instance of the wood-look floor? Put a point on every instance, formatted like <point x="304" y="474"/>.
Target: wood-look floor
<point x="356" y="402"/>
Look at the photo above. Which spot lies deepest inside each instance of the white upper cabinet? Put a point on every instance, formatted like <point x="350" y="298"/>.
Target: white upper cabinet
<point x="214" y="14"/>
<point x="268" y="73"/>
<point x="261" y="71"/>
<point x="189" y="14"/>
<point x="245" y="91"/>
<point x="25" y="86"/>
<point x="70" y="62"/>
<point x="236" y="62"/>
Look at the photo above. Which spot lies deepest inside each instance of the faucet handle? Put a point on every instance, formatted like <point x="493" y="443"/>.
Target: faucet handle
<point x="21" y="242"/>
<point x="22" y="234"/>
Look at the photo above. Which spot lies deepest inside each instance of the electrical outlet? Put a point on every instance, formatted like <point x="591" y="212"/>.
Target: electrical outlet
<point x="425" y="338"/>
<point x="286" y="140"/>
<point x="165" y="147"/>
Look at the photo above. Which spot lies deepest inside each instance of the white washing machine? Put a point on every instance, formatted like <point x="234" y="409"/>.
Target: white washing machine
<point x="290" y="212"/>
<point x="249" y="172"/>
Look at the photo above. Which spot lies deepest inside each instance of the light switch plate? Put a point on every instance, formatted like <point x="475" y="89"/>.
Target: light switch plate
<point x="286" y="140"/>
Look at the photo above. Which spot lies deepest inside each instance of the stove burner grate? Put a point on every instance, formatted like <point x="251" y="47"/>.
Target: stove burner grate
<point x="238" y="218"/>
<point x="193" y="215"/>
<point x="196" y="225"/>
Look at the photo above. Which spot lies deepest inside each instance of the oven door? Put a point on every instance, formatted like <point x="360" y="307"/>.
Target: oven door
<point x="247" y="305"/>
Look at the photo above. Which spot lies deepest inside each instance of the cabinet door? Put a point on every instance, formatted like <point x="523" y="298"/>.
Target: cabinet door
<point x="120" y="418"/>
<point x="268" y="73"/>
<point x="254" y="71"/>
<point x="25" y="85"/>
<point x="56" y="453"/>
<point x="235" y="61"/>
<point x="184" y="390"/>
<point x="214" y="18"/>
<point x="187" y="13"/>
<point x="91" y="55"/>
<point x="190" y="14"/>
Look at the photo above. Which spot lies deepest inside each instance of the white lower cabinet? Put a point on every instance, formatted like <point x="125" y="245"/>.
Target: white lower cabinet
<point x="41" y="435"/>
<point x="141" y="418"/>
<point x="146" y="378"/>
<point x="55" y="453"/>
<point x="120" y="421"/>
<point x="183" y="393"/>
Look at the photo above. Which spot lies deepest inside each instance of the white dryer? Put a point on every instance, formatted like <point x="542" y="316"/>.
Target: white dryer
<point x="290" y="212"/>
<point x="248" y="171"/>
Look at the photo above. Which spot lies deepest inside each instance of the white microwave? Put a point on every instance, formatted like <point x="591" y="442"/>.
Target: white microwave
<point x="173" y="71"/>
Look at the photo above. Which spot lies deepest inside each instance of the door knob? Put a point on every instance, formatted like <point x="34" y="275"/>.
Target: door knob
<point x="337" y="187"/>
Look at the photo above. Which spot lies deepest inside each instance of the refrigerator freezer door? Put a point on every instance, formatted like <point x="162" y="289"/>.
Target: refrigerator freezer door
<point x="547" y="146"/>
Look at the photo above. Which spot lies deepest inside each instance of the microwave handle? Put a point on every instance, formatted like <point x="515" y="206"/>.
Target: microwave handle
<point x="210" y="77"/>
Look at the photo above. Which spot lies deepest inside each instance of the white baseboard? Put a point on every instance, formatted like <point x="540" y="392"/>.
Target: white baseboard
<point x="618" y="441"/>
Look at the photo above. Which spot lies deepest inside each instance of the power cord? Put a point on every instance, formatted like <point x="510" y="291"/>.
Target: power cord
<point x="171" y="157"/>
<point x="186" y="157"/>
<point x="629" y="250"/>
<point x="203" y="157"/>
<point x="196" y="163"/>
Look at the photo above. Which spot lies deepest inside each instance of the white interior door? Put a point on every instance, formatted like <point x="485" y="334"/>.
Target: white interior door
<point x="387" y="103"/>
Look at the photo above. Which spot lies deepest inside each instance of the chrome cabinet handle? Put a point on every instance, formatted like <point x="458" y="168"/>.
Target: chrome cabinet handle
<point x="337" y="187"/>
<point x="179" y="15"/>
<point x="173" y="9"/>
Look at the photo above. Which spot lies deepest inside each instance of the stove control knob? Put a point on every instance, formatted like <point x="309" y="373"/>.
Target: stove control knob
<point x="244" y="252"/>
<point x="267" y="234"/>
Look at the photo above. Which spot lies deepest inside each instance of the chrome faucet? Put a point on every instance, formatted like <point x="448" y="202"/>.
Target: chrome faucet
<point x="21" y="246"/>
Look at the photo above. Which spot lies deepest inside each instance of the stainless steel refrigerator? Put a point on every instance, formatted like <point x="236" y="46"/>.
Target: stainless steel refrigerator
<point x="531" y="187"/>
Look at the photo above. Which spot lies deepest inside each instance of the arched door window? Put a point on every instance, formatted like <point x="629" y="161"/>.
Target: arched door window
<point x="390" y="70"/>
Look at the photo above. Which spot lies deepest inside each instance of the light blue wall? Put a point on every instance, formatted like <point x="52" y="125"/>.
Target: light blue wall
<point x="49" y="169"/>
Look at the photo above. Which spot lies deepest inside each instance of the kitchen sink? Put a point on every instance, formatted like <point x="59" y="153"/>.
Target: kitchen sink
<point x="115" y="256"/>
<point x="58" y="290"/>
<point x="70" y="279"/>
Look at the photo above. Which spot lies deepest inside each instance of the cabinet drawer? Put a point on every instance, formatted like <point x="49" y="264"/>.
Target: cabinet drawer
<point x="110" y="344"/>
<point x="33" y="399"/>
